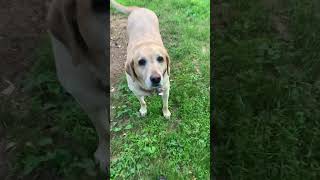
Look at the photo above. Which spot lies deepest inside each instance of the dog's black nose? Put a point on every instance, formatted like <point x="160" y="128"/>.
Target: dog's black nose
<point x="155" y="79"/>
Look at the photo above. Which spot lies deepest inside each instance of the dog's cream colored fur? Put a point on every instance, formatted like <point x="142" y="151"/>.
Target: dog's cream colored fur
<point x="145" y="42"/>
<point x="78" y="35"/>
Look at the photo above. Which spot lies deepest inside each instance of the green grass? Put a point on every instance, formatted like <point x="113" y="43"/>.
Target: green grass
<point x="267" y="91"/>
<point x="144" y="148"/>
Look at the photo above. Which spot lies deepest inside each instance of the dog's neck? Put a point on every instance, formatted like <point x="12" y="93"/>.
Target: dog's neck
<point x="158" y="91"/>
<point x="149" y="91"/>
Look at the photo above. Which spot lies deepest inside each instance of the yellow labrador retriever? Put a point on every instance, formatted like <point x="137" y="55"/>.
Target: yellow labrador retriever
<point x="148" y="63"/>
<point x="78" y="31"/>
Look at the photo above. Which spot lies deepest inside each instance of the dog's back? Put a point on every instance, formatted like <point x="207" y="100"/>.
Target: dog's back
<point x="143" y="23"/>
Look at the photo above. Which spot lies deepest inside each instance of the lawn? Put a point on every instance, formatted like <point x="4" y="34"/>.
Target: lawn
<point x="267" y="89"/>
<point x="179" y="148"/>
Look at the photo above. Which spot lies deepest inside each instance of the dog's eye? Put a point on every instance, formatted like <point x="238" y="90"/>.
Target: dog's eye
<point x="160" y="59"/>
<point x="142" y="62"/>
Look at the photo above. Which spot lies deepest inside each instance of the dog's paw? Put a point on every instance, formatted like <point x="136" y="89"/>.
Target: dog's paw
<point x="143" y="112"/>
<point x="166" y="113"/>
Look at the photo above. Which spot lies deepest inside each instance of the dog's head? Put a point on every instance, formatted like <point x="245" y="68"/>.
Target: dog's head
<point x="149" y="65"/>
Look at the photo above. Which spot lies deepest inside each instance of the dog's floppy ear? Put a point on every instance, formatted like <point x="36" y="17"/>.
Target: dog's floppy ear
<point x="129" y="66"/>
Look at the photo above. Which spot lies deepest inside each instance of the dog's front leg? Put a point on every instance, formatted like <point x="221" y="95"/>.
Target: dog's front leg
<point x="94" y="104"/>
<point x="143" y="106"/>
<point x="99" y="118"/>
<point x="165" y="107"/>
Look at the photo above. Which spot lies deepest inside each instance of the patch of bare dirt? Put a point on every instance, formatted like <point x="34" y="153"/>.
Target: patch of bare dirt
<point x="22" y="24"/>
<point x="118" y="46"/>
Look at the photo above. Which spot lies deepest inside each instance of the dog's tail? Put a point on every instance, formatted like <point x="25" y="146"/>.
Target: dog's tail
<point x="121" y="8"/>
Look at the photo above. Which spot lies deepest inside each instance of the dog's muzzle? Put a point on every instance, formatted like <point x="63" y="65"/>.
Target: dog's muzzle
<point x="155" y="80"/>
